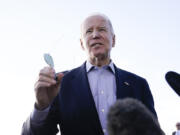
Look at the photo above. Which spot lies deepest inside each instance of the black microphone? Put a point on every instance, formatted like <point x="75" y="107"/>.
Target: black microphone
<point x="173" y="80"/>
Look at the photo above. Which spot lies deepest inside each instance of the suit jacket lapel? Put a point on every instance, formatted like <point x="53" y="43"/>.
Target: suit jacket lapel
<point x="123" y="90"/>
<point x="122" y="84"/>
<point x="88" y="99"/>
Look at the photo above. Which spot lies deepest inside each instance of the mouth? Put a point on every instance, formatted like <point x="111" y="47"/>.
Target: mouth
<point x="96" y="44"/>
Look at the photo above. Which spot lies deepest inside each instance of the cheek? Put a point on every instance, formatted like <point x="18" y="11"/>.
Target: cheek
<point x="87" y="43"/>
<point x="109" y="41"/>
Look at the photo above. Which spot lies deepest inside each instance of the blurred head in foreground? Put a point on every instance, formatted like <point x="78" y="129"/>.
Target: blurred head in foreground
<point x="130" y="117"/>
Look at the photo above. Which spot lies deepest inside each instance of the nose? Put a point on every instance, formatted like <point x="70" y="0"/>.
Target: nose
<point x="95" y="34"/>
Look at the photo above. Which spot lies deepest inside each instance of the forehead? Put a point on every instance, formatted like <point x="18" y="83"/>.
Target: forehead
<point x="95" y="21"/>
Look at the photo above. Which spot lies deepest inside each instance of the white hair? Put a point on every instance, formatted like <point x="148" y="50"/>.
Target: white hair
<point x="102" y="15"/>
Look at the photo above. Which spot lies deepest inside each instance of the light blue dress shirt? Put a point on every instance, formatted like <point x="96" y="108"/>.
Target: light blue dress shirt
<point x="103" y="87"/>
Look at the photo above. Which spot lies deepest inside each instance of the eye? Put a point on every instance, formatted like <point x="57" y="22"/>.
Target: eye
<point x="89" y="31"/>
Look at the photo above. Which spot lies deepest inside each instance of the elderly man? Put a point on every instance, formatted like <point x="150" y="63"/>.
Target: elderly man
<point x="79" y="100"/>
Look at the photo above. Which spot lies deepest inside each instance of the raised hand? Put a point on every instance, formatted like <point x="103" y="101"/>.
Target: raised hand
<point x="46" y="87"/>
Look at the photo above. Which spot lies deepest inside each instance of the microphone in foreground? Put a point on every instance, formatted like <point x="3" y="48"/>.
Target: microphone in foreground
<point x="173" y="80"/>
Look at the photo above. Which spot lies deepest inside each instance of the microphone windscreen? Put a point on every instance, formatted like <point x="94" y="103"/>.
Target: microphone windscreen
<point x="173" y="80"/>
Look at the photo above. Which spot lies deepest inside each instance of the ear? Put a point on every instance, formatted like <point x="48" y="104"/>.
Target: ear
<point x="82" y="44"/>
<point x="113" y="41"/>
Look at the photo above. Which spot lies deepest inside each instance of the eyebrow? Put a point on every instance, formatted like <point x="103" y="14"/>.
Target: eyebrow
<point x="88" y="29"/>
<point x="98" y="27"/>
<point x="103" y="27"/>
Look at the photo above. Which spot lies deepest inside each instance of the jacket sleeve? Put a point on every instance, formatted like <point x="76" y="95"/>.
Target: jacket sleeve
<point x="47" y="127"/>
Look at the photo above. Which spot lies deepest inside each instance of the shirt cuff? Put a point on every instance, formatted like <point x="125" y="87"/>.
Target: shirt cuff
<point x="38" y="116"/>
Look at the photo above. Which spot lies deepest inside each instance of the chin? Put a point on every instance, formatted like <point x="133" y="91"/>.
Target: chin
<point x="98" y="52"/>
<point x="100" y="56"/>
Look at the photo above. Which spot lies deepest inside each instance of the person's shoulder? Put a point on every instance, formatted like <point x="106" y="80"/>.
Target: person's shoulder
<point x="131" y="77"/>
<point x="74" y="71"/>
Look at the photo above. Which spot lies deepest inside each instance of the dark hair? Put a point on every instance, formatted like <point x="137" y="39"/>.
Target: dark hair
<point x="130" y="117"/>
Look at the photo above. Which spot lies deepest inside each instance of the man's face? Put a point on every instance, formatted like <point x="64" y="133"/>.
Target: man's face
<point x="97" y="38"/>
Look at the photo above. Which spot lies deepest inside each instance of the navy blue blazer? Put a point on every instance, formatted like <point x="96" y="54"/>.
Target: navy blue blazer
<point x="74" y="108"/>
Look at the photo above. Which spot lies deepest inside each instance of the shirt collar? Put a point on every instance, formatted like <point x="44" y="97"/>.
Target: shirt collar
<point x="89" y="66"/>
